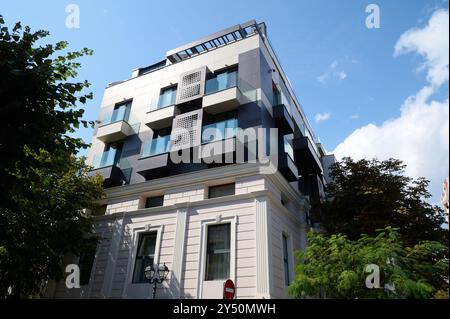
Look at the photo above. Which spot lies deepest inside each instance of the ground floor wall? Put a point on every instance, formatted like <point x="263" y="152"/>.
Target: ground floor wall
<point x="264" y="232"/>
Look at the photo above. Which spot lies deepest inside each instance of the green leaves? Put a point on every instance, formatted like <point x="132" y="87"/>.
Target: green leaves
<point x="44" y="188"/>
<point x="334" y="267"/>
<point x="366" y="195"/>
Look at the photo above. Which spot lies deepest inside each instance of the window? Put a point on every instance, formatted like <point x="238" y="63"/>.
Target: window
<point x="222" y="80"/>
<point x="287" y="279"/>
<point x="121" y="112"/>
<point x="287" y="139"/>
<point x="167" y="96"/>
<point x="111" y="154"/>
<point x="154" y="201"/>
<point x="218" y="252"/>
<point x="145" y="256"/>
<point x="276" y="95"/>
<point x="221" y="190"/>
<point x="159" y="144"/>
<point x="85" y="263"/>
<point x="219" y="127"/>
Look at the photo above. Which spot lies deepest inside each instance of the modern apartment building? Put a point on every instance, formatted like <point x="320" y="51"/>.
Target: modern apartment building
<point x="223" y="211"/>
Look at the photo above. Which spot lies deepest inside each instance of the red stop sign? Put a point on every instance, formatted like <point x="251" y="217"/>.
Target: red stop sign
<point x="229" y="290"/>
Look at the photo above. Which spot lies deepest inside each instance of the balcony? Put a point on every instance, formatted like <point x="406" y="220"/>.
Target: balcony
<point x="218" y="141"/>
<point x="222" y="93"/>
<point x="287" y="167"/>
<point x="286" y="163"/>
<point x="156" y="146"/>
<point x="219" y="131"/>
<point x="283" y="119"/>
<point x="306" y="157"/>
<point x="115" y="125"/>
<point x="155" y="157"/>
<point x="106" y="164"/>
<point x="162" y="110"/>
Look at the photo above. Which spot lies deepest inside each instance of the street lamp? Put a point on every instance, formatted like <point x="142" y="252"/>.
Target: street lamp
<point x="156" y="277"/>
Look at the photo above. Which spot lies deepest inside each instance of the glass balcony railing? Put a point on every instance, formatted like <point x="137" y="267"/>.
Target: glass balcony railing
<point x="156" y="146"/>
<point x="288" y="147"/>
<point x="167" y="98"/>
<point x="219" y="131"/>
<point x="107" y="158"/>
<point x="221" y="82"/>
<point x="121" y="113"/>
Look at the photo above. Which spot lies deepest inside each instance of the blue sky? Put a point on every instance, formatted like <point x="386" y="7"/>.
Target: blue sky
<point x="336" y="64"/>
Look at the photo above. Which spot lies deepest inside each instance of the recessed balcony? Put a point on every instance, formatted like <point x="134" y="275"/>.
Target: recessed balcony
<point x="287" y="167"/>
<point x="161" y="117"/>
<point x="218" y="141"/>
<point x="106" y="164"/>
<point x="222" y="101"/>
<point x="306" y="157"/>
<point x="283" y="119"/>
<point x="162" y="109"/>
<point x="116" y="131"/>
<point x="222" y="93"/>
<point x="115" y="125"/>
<point x="155" y="158"/>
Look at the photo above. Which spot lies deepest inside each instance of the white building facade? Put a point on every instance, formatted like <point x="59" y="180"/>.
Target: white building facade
<point x="208" y="219"/>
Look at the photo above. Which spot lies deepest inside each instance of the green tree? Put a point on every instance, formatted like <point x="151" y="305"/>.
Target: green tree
<point x="335" y="267"/>
<point x="44" y="187"/>
<point x="366" y="195"/>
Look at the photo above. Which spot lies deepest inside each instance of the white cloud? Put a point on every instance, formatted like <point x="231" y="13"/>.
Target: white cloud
<point x="354" y="116"/>
<point x="331" y="73"/>
<point x="432" y="43"/>
<point x="342" y="75"/>
<point x="319" y="117"/>
<point x="323" y="78"/>
<point x="420" y="135"/>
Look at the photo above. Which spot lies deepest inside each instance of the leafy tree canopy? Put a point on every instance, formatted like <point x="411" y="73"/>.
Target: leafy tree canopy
<point x="335" y="267"/>
<point x="44" y="187"/>
<point x="366" y="195"/>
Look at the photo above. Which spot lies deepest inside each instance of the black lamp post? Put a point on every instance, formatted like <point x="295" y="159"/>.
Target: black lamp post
<point x="156" y="277"/>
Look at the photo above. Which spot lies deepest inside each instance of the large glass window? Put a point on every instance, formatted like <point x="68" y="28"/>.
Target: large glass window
<point x="288" y="146"/>
<point x="167" y="97"/>
<point x="221" y="81"/>
<point x="221" y="190"/>
<point x="145" y="256"/>
<point x="218" y="252"/>
<point x="219" y="130"/>
<point x="276" y="95"/>
<point x="287" y="279"/>
<point x="159" y="144"/>
<point x="121" y="112"/>
<point x="111" y="154"/>
<point x="220" y="126"/>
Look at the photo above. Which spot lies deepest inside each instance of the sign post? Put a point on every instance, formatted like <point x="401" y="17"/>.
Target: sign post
<point x="229" y="290"/>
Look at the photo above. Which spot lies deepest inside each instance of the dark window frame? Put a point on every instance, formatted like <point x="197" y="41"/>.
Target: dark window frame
<point x="210" y="275"/>
<point x="118" y="146"/>
<point x="216" y="187"/>
<point x="172" y="87"/>
<point x="127" y="104"/>
<point x="159" y="201"/>
<point x="286" y="263"/>
<point x="86" y="264"/>
<point x="142" y="261"/>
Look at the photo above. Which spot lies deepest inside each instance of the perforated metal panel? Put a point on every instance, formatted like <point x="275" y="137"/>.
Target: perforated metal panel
<point x="186" y="130"/>
<point x="191" y="85"/>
